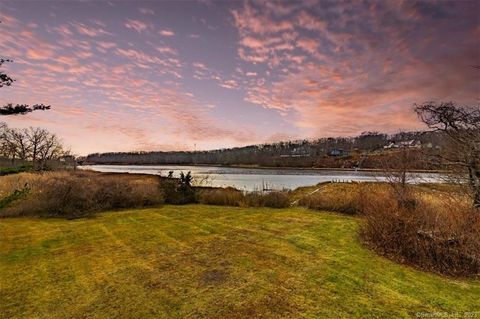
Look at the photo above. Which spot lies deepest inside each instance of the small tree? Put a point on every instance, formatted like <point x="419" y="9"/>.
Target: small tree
<point x="186" y="181"/>
<point x="185" y="188"/>
<point x="178" y="191"/>
<point x="397" y="171"/>
<point x="460" y="126"/>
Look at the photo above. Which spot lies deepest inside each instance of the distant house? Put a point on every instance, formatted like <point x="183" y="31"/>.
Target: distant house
<point x="298" y="152"/>
<point x="409" y="144"/>
<point x="295" y="155"/>
<point x="338" y="152"/>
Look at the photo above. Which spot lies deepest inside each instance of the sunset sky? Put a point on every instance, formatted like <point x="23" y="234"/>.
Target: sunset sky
<point x="176" y="75"/>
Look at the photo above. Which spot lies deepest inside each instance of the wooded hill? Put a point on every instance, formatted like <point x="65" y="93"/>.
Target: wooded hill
<point x="367" y="150"/>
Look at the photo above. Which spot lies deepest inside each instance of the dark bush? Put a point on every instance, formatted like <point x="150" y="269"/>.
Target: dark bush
<point x="15" y="169"/>
<point x="177" y="194"/>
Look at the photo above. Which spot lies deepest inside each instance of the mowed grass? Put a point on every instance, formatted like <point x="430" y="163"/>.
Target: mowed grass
<point x="200" y="261"/>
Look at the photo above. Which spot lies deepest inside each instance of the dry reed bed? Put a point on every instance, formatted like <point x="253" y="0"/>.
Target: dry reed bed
<point x="76" y="194"/>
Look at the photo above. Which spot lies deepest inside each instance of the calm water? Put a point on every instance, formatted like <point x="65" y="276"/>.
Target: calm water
<point x="251" y="179"/>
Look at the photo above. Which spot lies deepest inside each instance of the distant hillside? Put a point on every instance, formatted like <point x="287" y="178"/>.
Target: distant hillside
<point x="365" y="151"/>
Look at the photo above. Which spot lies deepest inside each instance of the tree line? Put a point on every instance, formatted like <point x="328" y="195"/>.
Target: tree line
<point x="303" y="153"/>
<point x="33" y="145"/>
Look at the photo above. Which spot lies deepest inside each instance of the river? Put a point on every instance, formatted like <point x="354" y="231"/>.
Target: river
<point x="253" y="179"/>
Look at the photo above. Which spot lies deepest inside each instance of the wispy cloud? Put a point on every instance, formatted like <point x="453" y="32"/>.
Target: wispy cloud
<point x="136" y="25"/>
<point x="166" y="33"/>
<point x="342" y="74"/>
<point x="146" y="11"/>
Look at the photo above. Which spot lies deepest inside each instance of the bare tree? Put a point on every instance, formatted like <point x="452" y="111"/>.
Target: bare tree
<point x="36" y="145"/>
<point x="20" y="140"/>
<point x="36" y="138"/>
<point x="460" y="126"/>
<point x="8" y="148"/>
<point x="51" y="149"/>
<point x="397" y="170"/>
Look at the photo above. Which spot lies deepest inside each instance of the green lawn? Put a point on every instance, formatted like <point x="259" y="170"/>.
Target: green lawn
<point x="211" y="262"/>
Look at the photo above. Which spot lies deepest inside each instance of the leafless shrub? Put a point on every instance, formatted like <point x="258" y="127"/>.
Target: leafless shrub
<point x="460" y="152"/>
<point x="441" y="236"/>
<point x="397" y="173"/>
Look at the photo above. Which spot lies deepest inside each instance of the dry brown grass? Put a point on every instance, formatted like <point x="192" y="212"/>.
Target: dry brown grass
<point x="276" y="200"/>
<point x="220" y="196"/>
<point x="347" y="198"/>
<point x="76" y="194"/>
<point x="233" y="197"/>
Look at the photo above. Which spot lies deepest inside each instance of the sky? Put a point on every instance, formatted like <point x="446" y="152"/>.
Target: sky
<point x="185" y="75"/>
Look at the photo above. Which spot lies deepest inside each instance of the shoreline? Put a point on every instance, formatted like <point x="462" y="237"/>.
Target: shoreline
<point x="373" y="170"/>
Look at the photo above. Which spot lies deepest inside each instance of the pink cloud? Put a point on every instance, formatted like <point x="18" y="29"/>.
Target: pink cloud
<point x="136" y="25"/>
<point x="305" y="20"/>
<point x="167" y="50"/>
<point x="39" y="54"/>
<point x="252" y="43"/>
<point x="166" y="33"/>
<point x="89" y="31"/>
<point x="229" y="84"/>
<point x="146" y="11"/>
<point x="63" y="30"/>
<point x="309" y="45"/>
<point x="106" y="45"/>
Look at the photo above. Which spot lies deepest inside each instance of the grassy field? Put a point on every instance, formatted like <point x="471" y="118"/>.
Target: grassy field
<point x="211" y="262"/>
